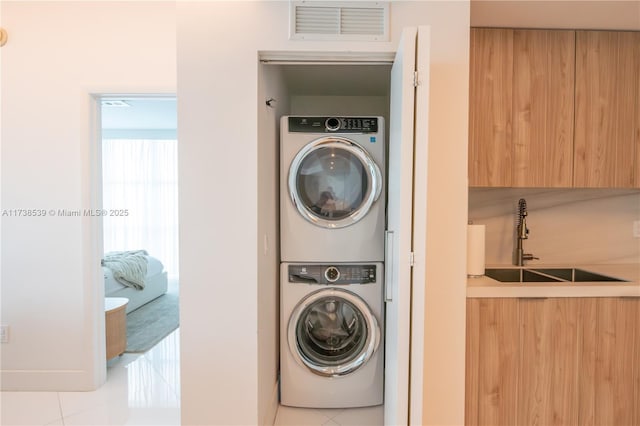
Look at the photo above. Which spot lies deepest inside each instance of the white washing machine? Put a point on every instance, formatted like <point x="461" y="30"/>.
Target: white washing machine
<point x="332" y="200"/>
<point x="331" y="336"/>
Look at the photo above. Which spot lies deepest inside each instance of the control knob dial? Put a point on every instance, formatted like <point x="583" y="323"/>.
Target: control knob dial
<point x="332" y="274"/>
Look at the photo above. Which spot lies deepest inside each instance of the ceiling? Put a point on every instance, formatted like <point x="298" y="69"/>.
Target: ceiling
<point x="140" y="113"/>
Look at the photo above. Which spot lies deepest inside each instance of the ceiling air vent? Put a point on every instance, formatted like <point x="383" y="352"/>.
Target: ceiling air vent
<point x="332" y="20"/>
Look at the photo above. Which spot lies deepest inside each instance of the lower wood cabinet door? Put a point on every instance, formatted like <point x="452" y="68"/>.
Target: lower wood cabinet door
<point x="492" y="361"/>
<point x="558" y="361"/>
<point x="609" y="359"/>
<point x="547" y="368"/>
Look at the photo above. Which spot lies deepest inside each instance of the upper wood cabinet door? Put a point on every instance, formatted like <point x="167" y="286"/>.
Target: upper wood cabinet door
<point x="607" y="109"/>
<point x="490" y="107"/>
<point x="521" y="108"/>
<point x="543" y="86"/>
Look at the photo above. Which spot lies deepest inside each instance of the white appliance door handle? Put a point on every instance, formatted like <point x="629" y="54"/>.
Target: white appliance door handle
<point x="388" y="267"/>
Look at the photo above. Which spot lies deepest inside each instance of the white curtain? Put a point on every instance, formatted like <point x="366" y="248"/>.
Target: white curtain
<point x="140" y="180"/>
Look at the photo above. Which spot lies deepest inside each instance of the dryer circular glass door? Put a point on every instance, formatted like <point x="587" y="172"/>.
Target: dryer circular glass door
<point x="333" y="182"/>
<point x="333" y="332"/>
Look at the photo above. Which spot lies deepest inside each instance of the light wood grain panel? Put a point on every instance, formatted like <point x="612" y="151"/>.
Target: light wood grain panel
<point x="116" y="331"/>
<point x="604" y="385"/>
<point x="587" y="361"/>
<point x="534" y="379"/>
<point x="543" y="105"/>
<point x="547" y="378"/>
<point x="636" y="168"/>
<point x="564" y="350"/>
<point x="472" y="362"/>
<point x="635" y="318"/>
<point x="627" y="65"/>
<point x="490" y="107"/>
<point x="498" y="368"/>
<point x="614" y="387"/>
<point x="559" y="361"/>
<point x="607" y="68"/>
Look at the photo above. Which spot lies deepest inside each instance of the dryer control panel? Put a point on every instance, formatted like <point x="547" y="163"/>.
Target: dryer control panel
<point x="332" y="274"/>
<point x="333" y="124"/>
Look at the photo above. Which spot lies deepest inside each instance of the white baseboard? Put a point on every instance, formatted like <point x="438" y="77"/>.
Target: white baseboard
<point x="48" y="380"/>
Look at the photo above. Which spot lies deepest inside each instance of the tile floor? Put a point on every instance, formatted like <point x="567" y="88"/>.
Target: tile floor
<point x="369" y="416"/>
<point x="141" y="389"/>
<point x="144" y="389"/>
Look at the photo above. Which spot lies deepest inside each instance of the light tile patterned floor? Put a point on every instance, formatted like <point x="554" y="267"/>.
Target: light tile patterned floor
<point x="368" y="416"/>
<point x="144" y="389"/>
<point x="141" y="389"/>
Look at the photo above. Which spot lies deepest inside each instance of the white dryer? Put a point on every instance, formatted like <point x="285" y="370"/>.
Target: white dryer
<point x="332" y="200"/>
<point x="331" y="337"/>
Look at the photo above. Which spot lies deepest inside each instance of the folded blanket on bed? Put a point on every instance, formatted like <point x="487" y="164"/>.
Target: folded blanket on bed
<point x="129" y="267"/>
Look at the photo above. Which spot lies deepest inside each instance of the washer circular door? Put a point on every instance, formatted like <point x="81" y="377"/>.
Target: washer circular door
<point x="333" y="332"/>
<point x="333" y="182"/>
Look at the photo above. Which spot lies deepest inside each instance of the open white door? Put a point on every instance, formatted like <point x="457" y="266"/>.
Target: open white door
<point x="406" y="224"/>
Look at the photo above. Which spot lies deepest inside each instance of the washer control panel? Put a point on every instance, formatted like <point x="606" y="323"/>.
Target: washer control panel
<point x="333" y="124"/>
<point x="332" y="274"/>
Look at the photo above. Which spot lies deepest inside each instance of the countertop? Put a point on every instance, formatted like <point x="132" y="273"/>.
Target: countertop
<point x="483" y="287"/>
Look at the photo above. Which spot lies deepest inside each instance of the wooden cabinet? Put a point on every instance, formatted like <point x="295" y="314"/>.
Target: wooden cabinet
<point x="490" y="115"/>
<point x="547" y="361"/>
<point x="116" y="325"/>
<point x="559" y="361"/>
<point x="554" y="108"/>
<point x="609" y="360"/>
<point x="492" y="362"/>
<point x="521" y="107"/>
<point x="607" y="122"/>
<point x="543" y="103"/>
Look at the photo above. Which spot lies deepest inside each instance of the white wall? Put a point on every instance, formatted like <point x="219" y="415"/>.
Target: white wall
<point x="271" y="86"/>
<point x="445" y="289"/>
<point x="59" y="53"/>
<point x="221" y="233"/>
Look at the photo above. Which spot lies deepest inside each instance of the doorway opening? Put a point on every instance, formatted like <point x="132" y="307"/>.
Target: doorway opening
<point x="139" y="184"/>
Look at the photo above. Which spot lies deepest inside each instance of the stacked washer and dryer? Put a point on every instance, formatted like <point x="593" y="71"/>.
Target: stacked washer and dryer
<point x="332" y="223"/>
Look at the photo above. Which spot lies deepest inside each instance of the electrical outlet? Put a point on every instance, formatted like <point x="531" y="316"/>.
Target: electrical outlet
<point x="636" y="229"/>
<point x="4" y="334"/>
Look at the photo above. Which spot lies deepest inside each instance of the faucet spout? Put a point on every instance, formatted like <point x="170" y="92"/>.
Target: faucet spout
<point x="522" y="233"/>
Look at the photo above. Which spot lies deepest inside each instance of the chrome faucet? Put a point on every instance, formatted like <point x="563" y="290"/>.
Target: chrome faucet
<point x="522" y="234"/>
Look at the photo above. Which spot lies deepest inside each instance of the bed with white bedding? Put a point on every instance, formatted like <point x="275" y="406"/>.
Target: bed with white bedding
<point x="154" y="283"/>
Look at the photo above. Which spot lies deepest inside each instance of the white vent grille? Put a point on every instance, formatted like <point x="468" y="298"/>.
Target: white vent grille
<point x="311" y="20"/>
<point x="317" y="20"/>
<point x="362" y="21"/>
